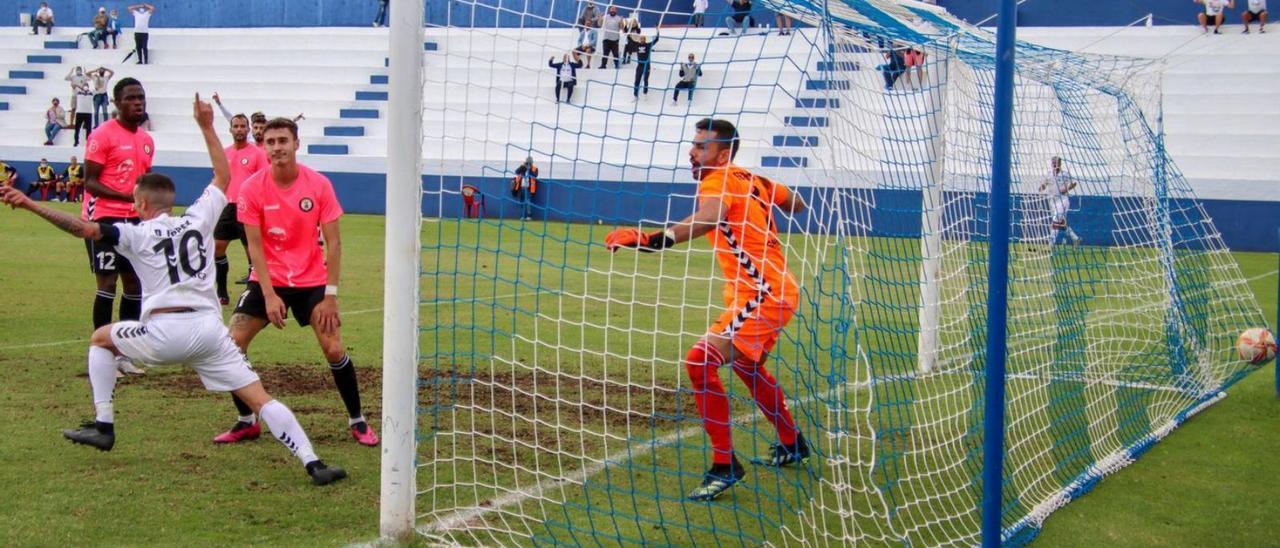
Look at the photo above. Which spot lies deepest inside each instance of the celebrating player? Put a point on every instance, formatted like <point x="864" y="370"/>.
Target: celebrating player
<point x="282" y="208"/>
<point x="181" y="321"/>
<point x="245" y="160"/>
<point x="735" y="207"/>
<point x="116" y="154"/>
<point x="1062" y="184"/>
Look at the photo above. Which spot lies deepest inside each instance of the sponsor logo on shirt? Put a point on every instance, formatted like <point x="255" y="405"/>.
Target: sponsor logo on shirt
<point x="271" y="207"/>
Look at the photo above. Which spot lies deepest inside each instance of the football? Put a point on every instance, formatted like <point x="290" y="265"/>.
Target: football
<point x="1256" y="346"/>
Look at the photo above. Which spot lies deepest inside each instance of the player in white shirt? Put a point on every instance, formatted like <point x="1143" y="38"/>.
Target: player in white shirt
<point x="1060" y="184"/>
<point x="1257" y="11"/>
<point x="1215" y="11"/>
<point x="181" y="318"/>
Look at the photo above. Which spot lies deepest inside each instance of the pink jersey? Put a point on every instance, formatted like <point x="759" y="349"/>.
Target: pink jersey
<point x="244" y="162"/>
<point x="125" y="155"/>
<point x="290" y="219"/>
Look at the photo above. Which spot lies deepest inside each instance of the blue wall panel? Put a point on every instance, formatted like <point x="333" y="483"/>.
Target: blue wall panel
<point x="1092" y="13"/>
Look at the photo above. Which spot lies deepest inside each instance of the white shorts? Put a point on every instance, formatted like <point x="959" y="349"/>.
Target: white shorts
<point x="198" y="339"/>
<point x="1060" y="206"/>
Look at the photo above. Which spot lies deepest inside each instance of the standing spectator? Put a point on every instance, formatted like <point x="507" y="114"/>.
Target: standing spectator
<point x="43" y="18"/>
<point x="784" y="23"/>
<point x="1214" y="10"/>
<point x="525" y="185"/>
<point x="633" y="31"/>
<point x="99" y="32"/>
<point x="141" y="30"/>
<point x="100" y="78"/>
<point x="113" y="29"/>
<point x="612" y="25"/>
<point x="46" y="180"/>
<point x="84" y="115"/>
<point x="586" y="26"/>
<point x="1257" y="10"/>
<point x="699" y="12"/>
<point x="644" y="52"/>
<point x="54" y="120"/>
<point x="380" y="20"/>
<point x="566" y="76"/>
<point x="893" y="67"/>
<point x="689" y="73"/>
<point x="740" y="18"/>
<point x="73" y="178"/>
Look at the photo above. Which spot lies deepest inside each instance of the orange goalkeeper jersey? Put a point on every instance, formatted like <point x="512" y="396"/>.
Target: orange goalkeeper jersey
<point x="746" y="241"/>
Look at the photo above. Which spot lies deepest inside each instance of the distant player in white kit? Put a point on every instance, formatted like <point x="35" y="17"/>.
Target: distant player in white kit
<point x="1060" y="184"/>
<point x="181" y="318"/>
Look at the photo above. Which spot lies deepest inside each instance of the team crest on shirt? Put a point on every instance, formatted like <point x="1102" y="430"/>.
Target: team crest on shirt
<point x="306" y="204"/>
<point x="244" y="161"/>
<point x="146" y="149"/>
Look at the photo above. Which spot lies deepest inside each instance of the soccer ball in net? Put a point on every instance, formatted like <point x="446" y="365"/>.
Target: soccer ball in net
<point x="1256" y="346"/>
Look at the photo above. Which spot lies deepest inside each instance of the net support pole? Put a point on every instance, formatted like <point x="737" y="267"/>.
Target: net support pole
<point x="403" y="257"/>
<point x="931" y="208"/>
<point x="998" y="278"/>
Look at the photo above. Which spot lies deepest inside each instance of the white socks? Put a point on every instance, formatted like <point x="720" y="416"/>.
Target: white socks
<point x="355" y="421"/>
<point x="284" y="426"/>
<point x="102" y="379"/>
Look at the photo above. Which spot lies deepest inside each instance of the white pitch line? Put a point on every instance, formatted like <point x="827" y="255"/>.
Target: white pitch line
<point x="38" y="345"/>
<point x="1263" y="275"/>
<point x="636" y="450"/>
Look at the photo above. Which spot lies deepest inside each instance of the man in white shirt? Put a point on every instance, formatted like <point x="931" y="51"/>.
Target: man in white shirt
<point x="1257" y="10"/>
<point x="141" y="30"/>
<point x="43" y="18"/>
<point x="1214" y="10"/>
<point x="181" y="319"/>
<point x="1060" y="184"/>
<point x="611" y="23"/>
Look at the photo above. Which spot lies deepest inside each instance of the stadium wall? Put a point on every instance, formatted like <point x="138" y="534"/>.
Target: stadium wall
<point x="627" y="203"/>
<point x="512" y="13"/>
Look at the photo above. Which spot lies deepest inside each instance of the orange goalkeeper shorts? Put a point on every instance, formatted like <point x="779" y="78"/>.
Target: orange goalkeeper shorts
<point x="754" y="327"/>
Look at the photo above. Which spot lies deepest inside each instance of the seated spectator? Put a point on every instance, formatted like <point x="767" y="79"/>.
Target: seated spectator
<point x="43" y="18"/>
<point x="1257" y="10"/>
<point x="113" y="28"/>
<point x="587" y="26"/>
<point x="55" y="119"/>
<point x="8" y="175"/>
<point x="73" y="181"/>
<point x="99" y="32"/>
<point x="784" y="23"/>
<point x="46" y="180"/>
<point x="740" y="18"/>
<point x="525" y="185"/>
<point x="689" y="73"/>
<point x="583" y="53"/>
<point x="1214" y="10"/>
<point x="893" y="67"/>
<point x="566" y="76"/>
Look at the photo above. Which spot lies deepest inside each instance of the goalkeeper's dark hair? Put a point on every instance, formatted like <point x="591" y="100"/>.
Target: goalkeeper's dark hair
<point x="157" y="188"/>
<point x="724" y="132"/>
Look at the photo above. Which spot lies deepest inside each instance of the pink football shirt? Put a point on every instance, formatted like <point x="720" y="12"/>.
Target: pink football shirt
<point x="244" y="162"/>
<point x="125" y="155"/>
<point x="290" y="220"/>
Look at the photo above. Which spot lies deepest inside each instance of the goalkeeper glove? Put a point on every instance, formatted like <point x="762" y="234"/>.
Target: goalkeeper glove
<point x="631" y="237"/>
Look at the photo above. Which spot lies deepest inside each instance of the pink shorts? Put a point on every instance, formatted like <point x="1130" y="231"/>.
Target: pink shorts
<point x="913" y="58"/>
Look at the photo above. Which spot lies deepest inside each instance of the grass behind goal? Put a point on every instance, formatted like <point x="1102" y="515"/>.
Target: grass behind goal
<point x="166" y="484"/>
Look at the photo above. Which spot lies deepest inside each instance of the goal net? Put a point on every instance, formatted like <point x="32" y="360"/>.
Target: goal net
<point x="553" y="404"/>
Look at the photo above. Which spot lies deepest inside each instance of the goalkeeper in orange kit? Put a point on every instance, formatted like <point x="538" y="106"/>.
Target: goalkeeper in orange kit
<point x="735" y="208"/>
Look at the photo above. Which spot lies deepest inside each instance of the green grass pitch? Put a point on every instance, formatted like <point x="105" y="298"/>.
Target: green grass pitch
<point x="1210" y="483"/>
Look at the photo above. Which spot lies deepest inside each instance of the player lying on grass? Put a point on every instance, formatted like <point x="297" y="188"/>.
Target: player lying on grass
<point x="181" y="319"/>
<point x="735" y="207"/>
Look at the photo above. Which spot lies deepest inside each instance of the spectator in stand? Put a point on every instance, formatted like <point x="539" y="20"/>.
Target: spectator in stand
<point x="380" y="20"/>
<point x="141" y="30"/>
<point x="84" y="115"/>
<point x="43" y="18"/>
<point x="99" y="32"/>
<point x="46" y="180"/>
<point x="784" y="23"/>
<point x="893" y="67"/>
<point x="55" y="119"/>
<point x="566" y="76"/>
<point x="582" y="54"/>
<point x="612" y="25"/>
<point x="73" y="179"/>
<point x="689" y="73"/>
<point x="913" y="57"/>
<point x="8" y="175"/>
<point x="644" y="53"/>
<point x="1215" y="11"/>
<point x="113" y="29"/>
<point x="100" y="78"/>
<point x="740" y="17"/>
<point x="1257" y="10"/>
<point x="633" y="30"/>
<point x="525" y="185"/>
<point x="586" y="27"/>
<point x="699" y="12"/>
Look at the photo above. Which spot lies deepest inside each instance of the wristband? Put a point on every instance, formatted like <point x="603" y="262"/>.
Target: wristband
<point x="331" y="290"/>
<point x="662" y="240"/>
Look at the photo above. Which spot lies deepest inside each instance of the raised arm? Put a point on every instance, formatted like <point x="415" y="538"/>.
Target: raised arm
<point x="225" y="113"/>
<point x="66" y="222"/>
<point x="203" y="113"/>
